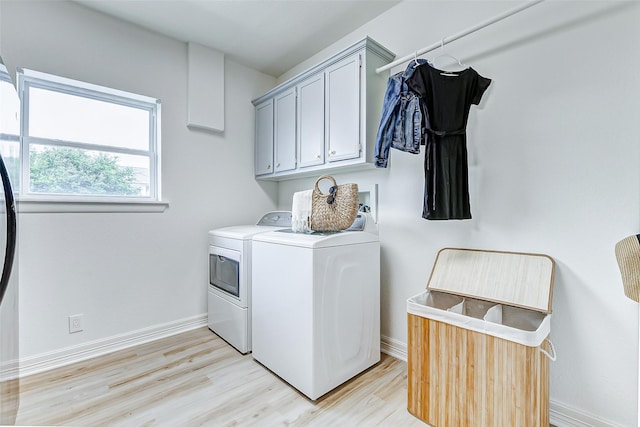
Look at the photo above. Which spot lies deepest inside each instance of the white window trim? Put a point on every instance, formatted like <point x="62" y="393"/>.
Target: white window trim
<point x="51" y="78"/>
<point x="7" y="79"/>
<point x="50" y="203"/>
<point x="42" y="205"/>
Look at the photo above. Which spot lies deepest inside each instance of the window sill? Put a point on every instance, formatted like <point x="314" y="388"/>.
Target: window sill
<point x="86" y="206"/>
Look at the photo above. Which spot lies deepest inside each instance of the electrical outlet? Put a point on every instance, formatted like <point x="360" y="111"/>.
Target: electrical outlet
<point x="75" y="323"/>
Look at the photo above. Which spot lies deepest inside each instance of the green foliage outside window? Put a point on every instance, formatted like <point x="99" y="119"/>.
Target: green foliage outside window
<point x="73" y="171"/>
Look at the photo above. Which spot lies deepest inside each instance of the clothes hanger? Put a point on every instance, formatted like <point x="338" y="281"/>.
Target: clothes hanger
<point x="444" y="54"/>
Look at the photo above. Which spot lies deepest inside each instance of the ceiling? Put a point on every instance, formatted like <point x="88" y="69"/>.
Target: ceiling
<point x="268" y="35"/>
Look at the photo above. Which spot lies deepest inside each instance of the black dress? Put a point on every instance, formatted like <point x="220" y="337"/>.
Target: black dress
<point x="447" y="98"/>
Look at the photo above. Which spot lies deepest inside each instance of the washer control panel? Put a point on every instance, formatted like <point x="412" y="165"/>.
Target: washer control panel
<point x="359" y="223"/>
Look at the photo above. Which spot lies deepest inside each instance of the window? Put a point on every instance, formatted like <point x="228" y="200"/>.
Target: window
<point x="86" y="142"/>
<point x="9" y="127"/>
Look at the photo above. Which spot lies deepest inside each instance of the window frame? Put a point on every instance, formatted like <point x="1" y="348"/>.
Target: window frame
<point x="9" y="136"/>
<point x="41" y="202"/>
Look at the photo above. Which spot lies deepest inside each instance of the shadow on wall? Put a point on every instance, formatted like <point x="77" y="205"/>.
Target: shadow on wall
<point x="581" y="315"/>
<point x="546" y="33"/>
<point x="385" y="286"/>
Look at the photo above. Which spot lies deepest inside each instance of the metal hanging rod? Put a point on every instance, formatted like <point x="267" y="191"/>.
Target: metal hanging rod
<point x="461" y="34"/>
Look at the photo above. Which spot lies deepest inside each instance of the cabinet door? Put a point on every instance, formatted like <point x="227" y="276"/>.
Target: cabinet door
<point x="311" y="121"/>
<point x="264" y="138"/>
<point x="285" y="131"/>
<point x="343" y="109"/>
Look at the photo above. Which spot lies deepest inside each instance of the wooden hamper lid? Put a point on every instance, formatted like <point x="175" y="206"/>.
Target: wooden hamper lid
<point x="512" y="278"/>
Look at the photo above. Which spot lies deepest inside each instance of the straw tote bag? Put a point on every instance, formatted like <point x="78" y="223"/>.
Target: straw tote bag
<point x="334" y="211"/>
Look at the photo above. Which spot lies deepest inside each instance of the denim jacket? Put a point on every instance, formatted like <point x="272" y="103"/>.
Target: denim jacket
<point x="401" y="124"/>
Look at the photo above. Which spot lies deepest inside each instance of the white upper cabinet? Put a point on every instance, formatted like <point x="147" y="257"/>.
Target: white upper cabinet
<point x="327" y="115"/>
<point x="343" y="109"/>
<point x="284" y="132"/>
<point x="311" y="121"/>
<point x="264" y="138"/>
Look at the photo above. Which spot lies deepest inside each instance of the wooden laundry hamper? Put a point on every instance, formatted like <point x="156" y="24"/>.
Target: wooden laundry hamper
<point x="478" y="348"/>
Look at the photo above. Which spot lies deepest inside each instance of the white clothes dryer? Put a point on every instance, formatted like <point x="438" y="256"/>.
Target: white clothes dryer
<point x="229" y="293"/>
<point x="316" y="305"/>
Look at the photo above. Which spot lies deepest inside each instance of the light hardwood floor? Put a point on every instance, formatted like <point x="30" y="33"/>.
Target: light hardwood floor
<point x="195" y="379"/>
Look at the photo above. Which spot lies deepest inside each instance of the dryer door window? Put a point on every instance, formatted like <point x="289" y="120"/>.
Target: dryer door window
<point x="224" y="270"/>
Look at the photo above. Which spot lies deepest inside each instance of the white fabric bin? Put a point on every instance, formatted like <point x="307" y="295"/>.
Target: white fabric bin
<point x="526" y="327"/>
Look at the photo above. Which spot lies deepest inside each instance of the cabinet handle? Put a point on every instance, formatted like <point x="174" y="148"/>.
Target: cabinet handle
<point x="268" y="166"/>
<point x="318" y="156"/>
<point x="333" y="152"/>
<point x="277" y="165"/>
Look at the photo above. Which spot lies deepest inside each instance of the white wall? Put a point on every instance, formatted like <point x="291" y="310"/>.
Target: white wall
<point x="553" y="153"/>
<point x="554" y="150"/>
<point x="129" y="271"/>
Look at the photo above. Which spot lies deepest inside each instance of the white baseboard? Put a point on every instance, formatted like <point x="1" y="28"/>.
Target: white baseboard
<point x="9" y="370"/>
<point x="393" y="347"/>
<point x="560" y="415"/>
<point x="66" y="356"/>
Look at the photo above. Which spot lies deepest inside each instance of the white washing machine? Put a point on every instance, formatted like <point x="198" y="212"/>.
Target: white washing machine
<point x="316" y="305"/>
<point x="229" y="294"/>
